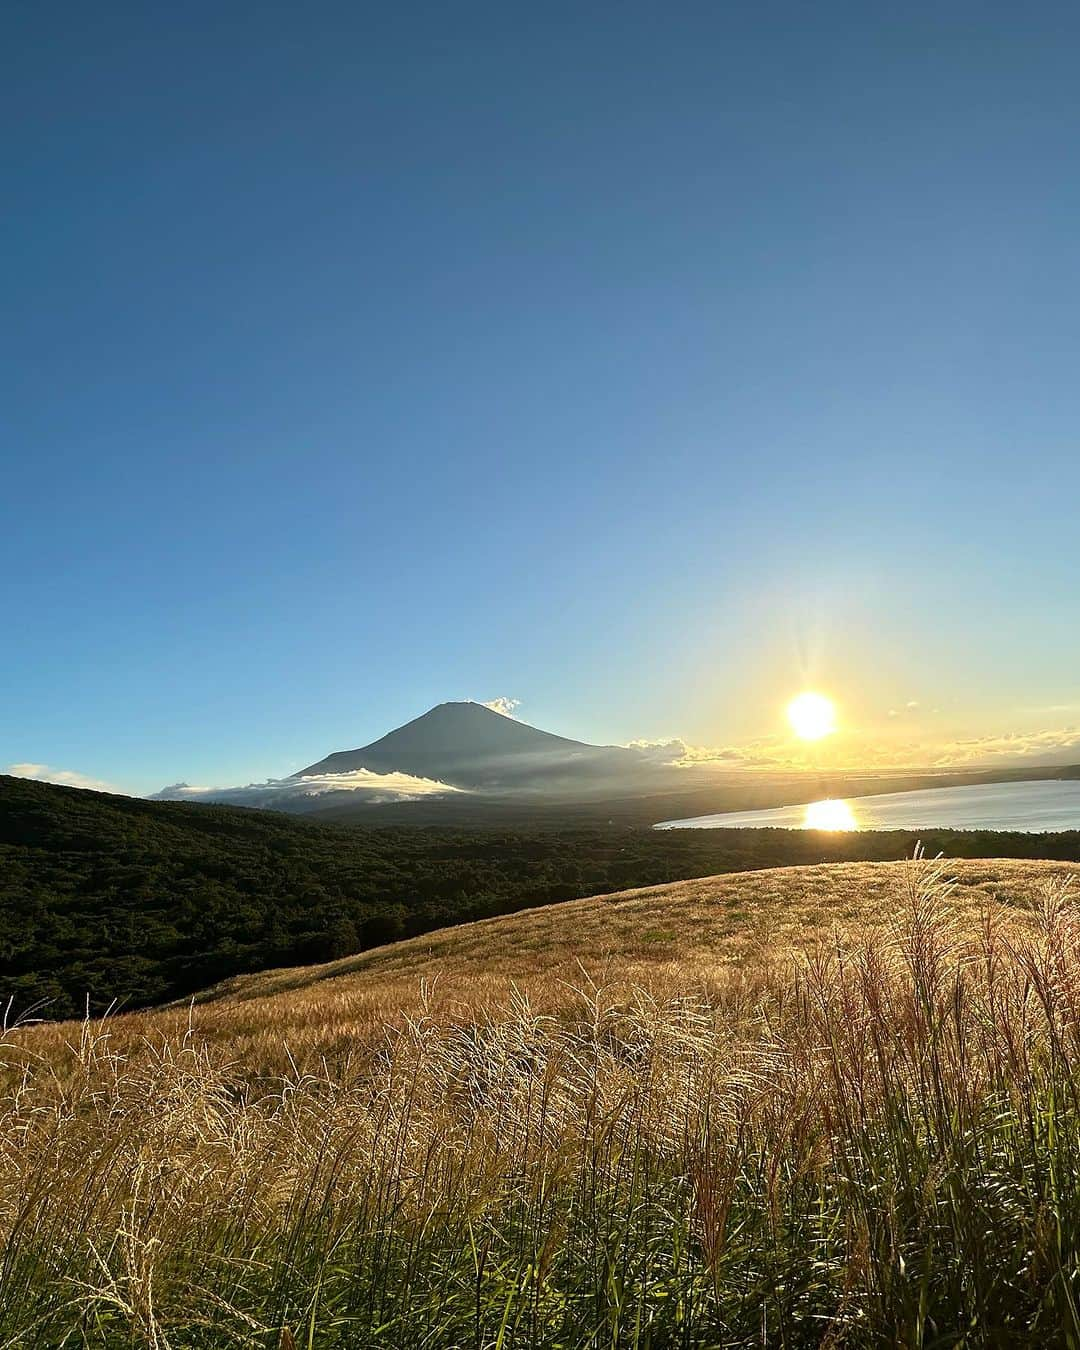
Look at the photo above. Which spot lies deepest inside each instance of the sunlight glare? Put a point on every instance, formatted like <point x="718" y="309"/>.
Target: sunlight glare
<point x="830" y="814"/>
<point x="812" y="716"/>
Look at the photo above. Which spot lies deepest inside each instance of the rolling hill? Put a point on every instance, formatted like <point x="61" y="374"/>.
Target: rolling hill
<point x="677" y="937"/>
<point x="112" y="898"/>
<point x="674" y="934"/>
<point x="701" y="1109"/>
<point x="669" y="939"/>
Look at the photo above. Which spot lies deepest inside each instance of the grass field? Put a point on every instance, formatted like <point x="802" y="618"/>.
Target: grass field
<point x="833" y="1105"/>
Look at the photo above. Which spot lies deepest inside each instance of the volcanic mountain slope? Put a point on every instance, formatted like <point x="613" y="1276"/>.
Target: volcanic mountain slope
<point x="468" y="745"/>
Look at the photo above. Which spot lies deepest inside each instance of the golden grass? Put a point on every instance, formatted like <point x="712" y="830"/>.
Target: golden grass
<point x="727" y="919"/>
<point x="688" y="937"/>
<point x="837" y="1103"/>
<point x="733" y="930"/>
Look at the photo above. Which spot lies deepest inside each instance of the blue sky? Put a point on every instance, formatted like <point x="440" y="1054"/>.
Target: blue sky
<point x="641" y="363"/>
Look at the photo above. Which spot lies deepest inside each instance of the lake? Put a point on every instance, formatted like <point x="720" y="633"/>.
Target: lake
<point x="1032" y="807"/>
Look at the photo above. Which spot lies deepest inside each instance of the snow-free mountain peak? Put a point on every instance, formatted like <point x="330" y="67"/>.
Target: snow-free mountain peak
<point x="470" y="745"/>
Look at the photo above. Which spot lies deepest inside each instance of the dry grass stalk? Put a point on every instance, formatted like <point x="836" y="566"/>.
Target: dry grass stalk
<point x="873" y="1140"/>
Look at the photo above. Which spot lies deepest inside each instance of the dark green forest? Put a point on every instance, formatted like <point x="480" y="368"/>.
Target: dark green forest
<point x="107" y="899"/>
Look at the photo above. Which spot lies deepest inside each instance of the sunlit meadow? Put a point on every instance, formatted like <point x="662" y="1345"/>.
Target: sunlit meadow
<point x="872" y="1141"/>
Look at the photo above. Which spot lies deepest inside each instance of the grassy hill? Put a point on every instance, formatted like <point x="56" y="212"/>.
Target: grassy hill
<point x="690" y="937"/>
<point x="825" y="1105"/>
<point x="107" y="898"/>
<point x="685" y="936"/>
<point x="682" y="929"/>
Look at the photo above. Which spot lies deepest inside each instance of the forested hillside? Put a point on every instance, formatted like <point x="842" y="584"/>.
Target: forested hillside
<point x="115" y="898"/>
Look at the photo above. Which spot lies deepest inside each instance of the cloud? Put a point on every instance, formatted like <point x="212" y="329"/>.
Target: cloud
<point x="45" y="773"/>
<point x="1049" y="746"/>
<point x="852" y="751"/>
<point x="677" y="753"/>
<point x="280" y="792"/>
<point x="503" y="705"/>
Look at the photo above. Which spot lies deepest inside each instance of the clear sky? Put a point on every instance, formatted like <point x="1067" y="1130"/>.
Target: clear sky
<point x="643" y="363"/>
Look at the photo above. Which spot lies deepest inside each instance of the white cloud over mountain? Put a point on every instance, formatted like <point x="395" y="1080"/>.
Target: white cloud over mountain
<point x="374" y="787"/>
<point x="681" y="754"/>
<point x="502" y="705"/>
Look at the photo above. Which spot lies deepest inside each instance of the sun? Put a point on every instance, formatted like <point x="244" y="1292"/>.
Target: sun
<point x="812" y="716"/>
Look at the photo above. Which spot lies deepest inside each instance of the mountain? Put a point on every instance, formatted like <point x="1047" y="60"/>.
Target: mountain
<point x="463" y="763"/>
<point x="455" y="752"/>
<point x="468" y="745"/>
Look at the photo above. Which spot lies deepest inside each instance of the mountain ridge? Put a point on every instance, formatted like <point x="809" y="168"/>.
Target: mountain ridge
<point x="469" y="745"/>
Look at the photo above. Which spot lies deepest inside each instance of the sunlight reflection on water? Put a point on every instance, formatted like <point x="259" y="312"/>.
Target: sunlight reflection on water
<point x="830" y="814"/>
<point x="1033" y="805"/>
